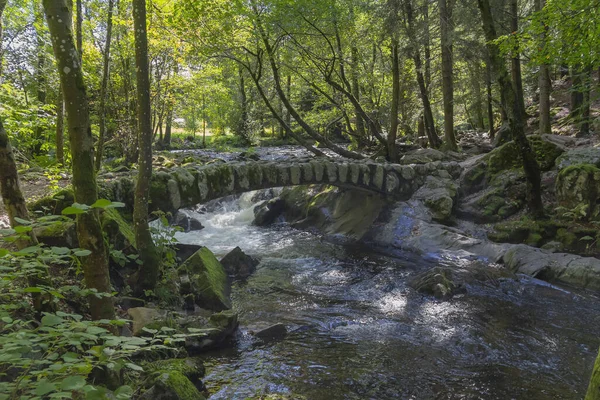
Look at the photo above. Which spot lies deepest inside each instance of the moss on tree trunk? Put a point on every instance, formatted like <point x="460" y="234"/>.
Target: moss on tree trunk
<point x="149" y="271"/>
<point x="89" y="230"/>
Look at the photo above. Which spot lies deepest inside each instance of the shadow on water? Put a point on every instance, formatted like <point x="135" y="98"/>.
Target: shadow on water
<point x="357" y="331"/>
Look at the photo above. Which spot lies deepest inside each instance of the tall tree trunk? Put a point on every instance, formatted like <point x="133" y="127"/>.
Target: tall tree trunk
<point x="434" y="140"/>
<point x="60" y="128"/>
<point x="391" y="138"/>
<point x="427" y="41"/>
<point x="584" y="126"/>
<point x="168" y="127"/>
<point x="517" y="78"/>
<point x="490" y="102"/>
<point x="545" y="85"/>
<point x="79" y="27"/>
<point x="243" y="124"/>
<point x="104" y="87"/>
<point x="447" y="68"/>
<point x="516" y="119"/>
<point x="89" y="230"/>
<point x="150" y="268"/>
<point x="40" y="81"/>
<point x="476" y="80"/>
<point x="360" y="123"/>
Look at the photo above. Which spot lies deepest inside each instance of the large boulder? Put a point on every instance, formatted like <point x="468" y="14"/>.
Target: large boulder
<point x="578" y="190"/>
<point x="58" y="234"/>
<point x="439" y="195"/>
<point x="186" y="222"/>
<point x="172" y="385"/>
<point x="267" y="212"/>
<point x="204" y="280"/>
<point x="585" y="155"/>
<point x="239" y="265"/>
<point x="191" y="367"/>
<point x="554" y="267"/>
<point x="478" y="175"/>
<point x="422" y="156"/>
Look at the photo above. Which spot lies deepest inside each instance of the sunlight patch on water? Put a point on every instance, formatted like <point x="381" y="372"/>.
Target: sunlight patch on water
<point x="392" y="303"/>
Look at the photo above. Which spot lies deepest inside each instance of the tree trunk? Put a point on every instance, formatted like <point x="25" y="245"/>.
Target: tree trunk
<point x="490" y="103"/>
<point x="360" y="123"/>
<point x="150" y="268"/>
<point x="104" y="87"/>
<point x="584" y="127"/>
<point x="434" y="140"/>
<point x="243" y="124"/>
<point x="447" y="79"/>
<point x="60" y="128"/>
<point x="79" y="27"/>
<point x="40" y="82"/>
<point x="516" y="60"/>
<point x="545" y="85"/>
<point x="89" y="230"/>
<point x="168" y="127"/>
<point x="427" y="41"/>
<point x="391" y="138"/>
<point x="516" y="118"/>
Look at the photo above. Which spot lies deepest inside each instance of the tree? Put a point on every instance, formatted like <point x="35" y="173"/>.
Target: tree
<point x="446" y="28"/>
<point x="89" y="230"/>
<point x="513" y="109"/>
<point x="544" y="81"/>
<point x="150" y="269"/>
<point x="104" y="86"/>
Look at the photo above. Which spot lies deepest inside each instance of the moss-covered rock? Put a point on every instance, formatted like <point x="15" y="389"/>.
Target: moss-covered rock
<point x="53" y="204"/>
<point x="593" y="392"/>
<point x="585" y="155"/>
<point x="204" y="278"/>
<point x="117" y="230"/>
<point x="191" y="367"/>
<point x="507" y="157"/>
<point x="578" y="187"/>
<point x="59" y="234"/>
<point x="172" y="385"/>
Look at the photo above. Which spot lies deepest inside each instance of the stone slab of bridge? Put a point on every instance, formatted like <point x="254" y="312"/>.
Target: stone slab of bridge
<point x="172" y="189"/>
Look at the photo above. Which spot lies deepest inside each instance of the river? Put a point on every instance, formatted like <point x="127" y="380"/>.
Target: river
<point x="357" y="331"/>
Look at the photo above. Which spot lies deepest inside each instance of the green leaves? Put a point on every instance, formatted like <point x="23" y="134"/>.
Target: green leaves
<point x="73" y="383"/>
<point x="77" y="208"/>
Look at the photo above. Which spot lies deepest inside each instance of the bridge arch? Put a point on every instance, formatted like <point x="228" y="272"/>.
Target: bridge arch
<point x="172" y="189"/>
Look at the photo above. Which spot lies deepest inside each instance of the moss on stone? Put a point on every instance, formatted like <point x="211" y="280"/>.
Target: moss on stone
<point x="118" y="231"/>
<point x="593" y="392"/>
<point x="192" y="368"/>
<point x="207" y="280"/>
<point x="176" y="385"/>
<point x="508" y="155"/>
<point x="54" y="203"/>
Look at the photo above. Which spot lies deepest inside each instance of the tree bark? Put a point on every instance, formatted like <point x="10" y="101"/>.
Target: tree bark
<point x="79" y="27"/>
<point x="490" y="103"/>
<point x="445" y="7"/>
<point x="60" y="128"/>
<point x="391" y="138"/>
<point x="517" y="78"/>
<point x="434" y="140"/>
<point x="104" y="87"/>
<point x="545" y="85"/>
<point x="89" y="230"/>
<point x="516" y="118"/>
<point x="360" y="123"/>
<point x="150" y="268"/>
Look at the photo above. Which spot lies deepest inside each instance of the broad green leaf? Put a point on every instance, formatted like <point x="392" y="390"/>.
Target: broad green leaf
<point x="22" y="221"/>
<point x="134" y="367"/>
<point x="22" y="229"/>
<point x="61" y="251"/>
<point x="44" y="387"/>
<point x="102" y="203"/>
<point x="51" y="320"/>
<point x="70" y="357"/>
<point x="124" y="392"/>
<point x="33" y="289"/>
<point x="76" y="382"/>
<point x="82" y="253"/>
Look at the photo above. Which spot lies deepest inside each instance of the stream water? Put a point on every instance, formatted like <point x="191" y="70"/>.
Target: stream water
<point x="357" y="331"/>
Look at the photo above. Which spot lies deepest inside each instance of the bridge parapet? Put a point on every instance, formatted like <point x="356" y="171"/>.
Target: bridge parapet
<point x="172" y="189"/>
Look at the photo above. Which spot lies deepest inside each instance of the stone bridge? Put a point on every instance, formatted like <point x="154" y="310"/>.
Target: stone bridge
<point x="172" y="189"/>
